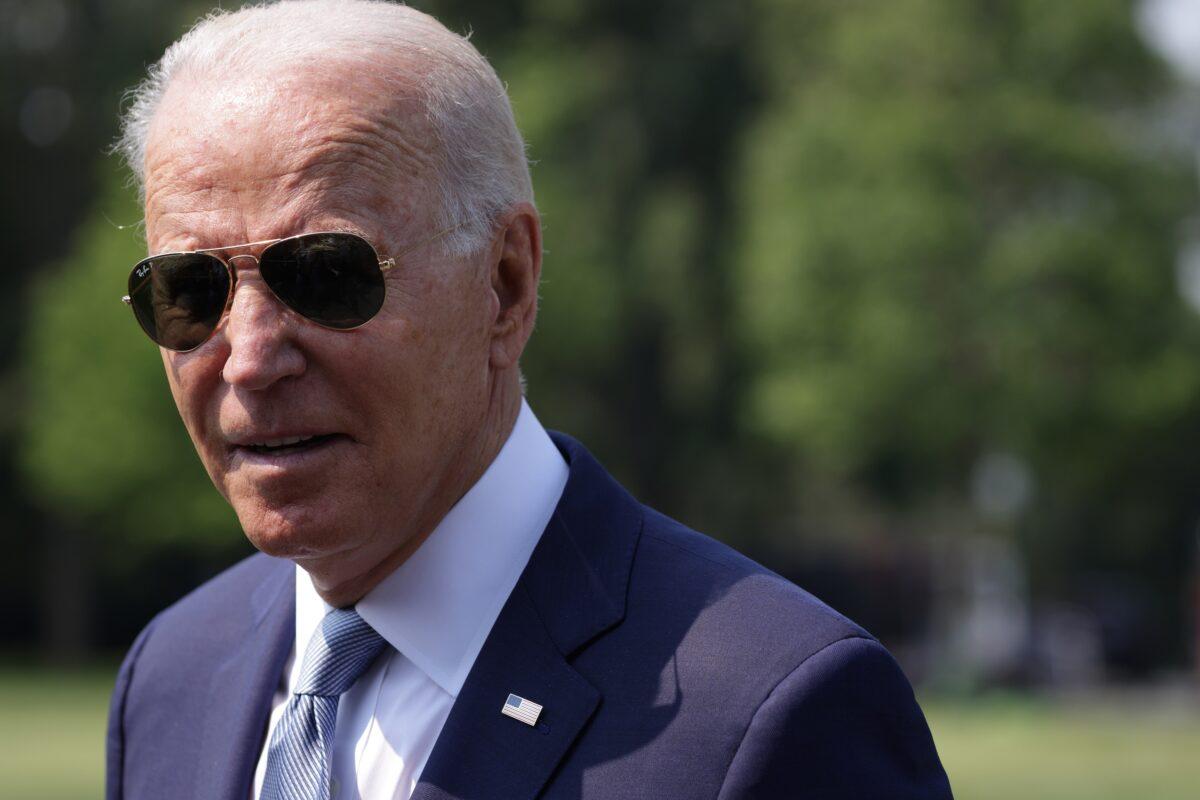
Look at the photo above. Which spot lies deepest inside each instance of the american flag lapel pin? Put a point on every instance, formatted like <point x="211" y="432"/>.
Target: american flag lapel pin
<point x="521" y="709"/>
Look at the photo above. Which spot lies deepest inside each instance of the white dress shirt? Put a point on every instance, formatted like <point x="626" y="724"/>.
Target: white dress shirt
<point x="435" y="610"/>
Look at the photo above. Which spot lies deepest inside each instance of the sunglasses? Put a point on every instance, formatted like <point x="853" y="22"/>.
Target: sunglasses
<point x="334" y="279"/>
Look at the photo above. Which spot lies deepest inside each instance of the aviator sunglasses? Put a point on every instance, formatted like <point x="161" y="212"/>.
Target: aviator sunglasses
<point x="332" y="278"/>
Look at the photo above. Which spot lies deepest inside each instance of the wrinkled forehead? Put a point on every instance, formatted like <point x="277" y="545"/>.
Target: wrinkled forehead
<point x="263" y="152"/>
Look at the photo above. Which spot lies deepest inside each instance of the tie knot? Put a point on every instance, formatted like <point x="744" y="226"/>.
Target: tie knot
<point x="341" y="649"/>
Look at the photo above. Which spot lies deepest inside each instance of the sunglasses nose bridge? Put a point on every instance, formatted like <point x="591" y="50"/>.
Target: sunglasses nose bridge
<point x="231" y="263"/>
<point x="251" y="256"/>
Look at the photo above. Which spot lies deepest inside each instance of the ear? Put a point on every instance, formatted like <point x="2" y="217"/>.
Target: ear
<point x="516" y="266"/>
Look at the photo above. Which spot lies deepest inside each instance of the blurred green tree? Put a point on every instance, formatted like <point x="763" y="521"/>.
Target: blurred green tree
<point x="959" y="246"/>
<point x="634" y="114"/>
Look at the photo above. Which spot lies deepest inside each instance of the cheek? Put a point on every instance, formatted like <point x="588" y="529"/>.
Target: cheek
<point x="192" y="379"/>
<point x="179" y="386"/>
<point x="441" y="323"/>
<point x="427" y="375"/>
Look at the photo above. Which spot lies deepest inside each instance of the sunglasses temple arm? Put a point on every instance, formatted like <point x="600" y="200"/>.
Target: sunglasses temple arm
<point x="389" y="263"/>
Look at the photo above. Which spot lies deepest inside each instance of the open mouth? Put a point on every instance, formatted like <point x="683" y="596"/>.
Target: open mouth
<point x="293" y="444"/>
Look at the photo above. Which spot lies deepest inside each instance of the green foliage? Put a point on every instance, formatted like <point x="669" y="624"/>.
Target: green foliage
<point x="632" y="114"/>
<point x="959" y="239"/>
<point x="103" y="446"/>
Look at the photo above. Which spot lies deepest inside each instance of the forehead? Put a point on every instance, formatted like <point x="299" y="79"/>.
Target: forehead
<point x="256" y="157"/>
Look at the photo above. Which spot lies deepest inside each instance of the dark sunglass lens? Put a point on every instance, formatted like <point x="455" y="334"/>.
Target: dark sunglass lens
<point x="332" y="279"/>
<point x="178" y="299"/>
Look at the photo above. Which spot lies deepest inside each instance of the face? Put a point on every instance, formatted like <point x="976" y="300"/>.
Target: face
<point x="388" y="415"/>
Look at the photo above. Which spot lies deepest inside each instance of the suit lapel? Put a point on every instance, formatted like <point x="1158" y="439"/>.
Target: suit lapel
<point x="483" y="754"/>
<point x="241" y="691"/>
<point x="572" y="590"/>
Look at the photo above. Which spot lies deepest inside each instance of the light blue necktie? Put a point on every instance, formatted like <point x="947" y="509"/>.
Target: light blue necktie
<point x="298" y="761"/>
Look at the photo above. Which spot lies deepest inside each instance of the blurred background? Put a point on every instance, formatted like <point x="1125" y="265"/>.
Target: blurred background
<point x="901" y="297"/>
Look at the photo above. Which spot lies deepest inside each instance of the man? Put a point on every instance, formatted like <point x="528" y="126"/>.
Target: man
<point x="450" y="603"/>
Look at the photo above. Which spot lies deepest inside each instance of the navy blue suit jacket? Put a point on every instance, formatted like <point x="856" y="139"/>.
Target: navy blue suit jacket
<point x="669" y="667"/>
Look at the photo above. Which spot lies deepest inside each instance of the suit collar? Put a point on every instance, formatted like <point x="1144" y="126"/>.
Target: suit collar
<point x="578" y="576"/>
<point x="572" y="590"/>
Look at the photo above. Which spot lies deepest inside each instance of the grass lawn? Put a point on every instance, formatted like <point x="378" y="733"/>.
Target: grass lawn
<point x="52" y="743"/>
<point x="1018" y="747"/>
<point x="52" y="733"/>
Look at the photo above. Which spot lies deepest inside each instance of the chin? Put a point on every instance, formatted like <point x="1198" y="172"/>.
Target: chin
<point x="288" y="533"/>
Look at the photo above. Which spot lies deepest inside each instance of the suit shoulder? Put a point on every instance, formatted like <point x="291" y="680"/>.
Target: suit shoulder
<point x="742" y="601"/>
<point x="843" y="724"/>
<point x="185" y="640"/>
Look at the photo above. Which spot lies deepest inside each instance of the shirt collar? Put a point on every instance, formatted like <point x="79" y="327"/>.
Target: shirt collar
<point x="438" y="607"/>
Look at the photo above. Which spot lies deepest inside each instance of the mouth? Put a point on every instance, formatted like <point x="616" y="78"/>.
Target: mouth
<point x="290" y="444"/>
<point x="286" y="450"/>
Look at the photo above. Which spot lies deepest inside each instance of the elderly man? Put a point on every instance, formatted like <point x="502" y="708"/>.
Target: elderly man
<point x="449" y="603"/>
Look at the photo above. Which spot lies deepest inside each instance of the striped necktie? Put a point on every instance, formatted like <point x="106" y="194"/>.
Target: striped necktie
<point x="298" y="762"/>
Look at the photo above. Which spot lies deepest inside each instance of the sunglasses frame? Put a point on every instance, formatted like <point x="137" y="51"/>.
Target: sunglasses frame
<point x="385" y="264"/>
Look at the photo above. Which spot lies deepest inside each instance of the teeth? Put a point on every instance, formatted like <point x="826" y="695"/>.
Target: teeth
<point x="290" y="440"/>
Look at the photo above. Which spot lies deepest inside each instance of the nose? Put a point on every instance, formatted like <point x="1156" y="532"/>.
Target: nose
<point x="261" y="338"/>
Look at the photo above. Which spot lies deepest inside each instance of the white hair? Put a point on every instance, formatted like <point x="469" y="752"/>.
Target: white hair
<point x="482" y="169"/>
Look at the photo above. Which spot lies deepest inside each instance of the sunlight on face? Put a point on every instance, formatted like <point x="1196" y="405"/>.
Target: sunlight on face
<point x="385" y="416"/>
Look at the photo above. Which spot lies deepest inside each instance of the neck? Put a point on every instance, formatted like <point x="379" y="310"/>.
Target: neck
<point x="480" y="451"/>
